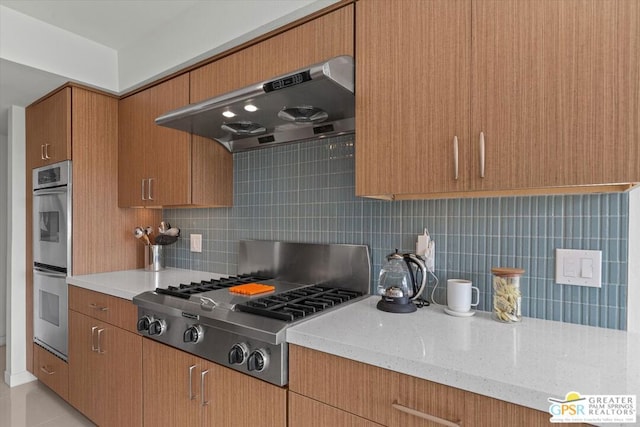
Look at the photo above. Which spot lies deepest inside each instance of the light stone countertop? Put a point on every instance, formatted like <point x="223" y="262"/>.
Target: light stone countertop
<point x="523" y="363"/>
<point x="129" y="283"/>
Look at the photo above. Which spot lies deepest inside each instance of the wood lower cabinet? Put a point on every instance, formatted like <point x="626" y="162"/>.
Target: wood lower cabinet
<point x="205" y="394"/>
<point x="51" y="370"/>
<point x="537" y="101"/>
<point x="305" y="412"/>
<point x="159" y="166"/>
<point x="335" y="388"/>
<point x="105" y="368"/>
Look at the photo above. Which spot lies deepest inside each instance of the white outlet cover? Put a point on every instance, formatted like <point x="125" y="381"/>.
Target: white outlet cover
<point x="196" y="242"/>
<point x="579" y="267"/>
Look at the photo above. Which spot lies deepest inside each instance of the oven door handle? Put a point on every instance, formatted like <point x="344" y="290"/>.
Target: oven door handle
<point x="50" y="273"/>
<point x="47" y="192"/>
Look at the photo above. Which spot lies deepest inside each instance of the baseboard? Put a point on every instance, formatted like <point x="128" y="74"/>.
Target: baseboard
<point x="18" y="379"/>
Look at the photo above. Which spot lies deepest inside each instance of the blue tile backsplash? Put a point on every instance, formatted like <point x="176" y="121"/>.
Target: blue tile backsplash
<point x="305" y="193"/>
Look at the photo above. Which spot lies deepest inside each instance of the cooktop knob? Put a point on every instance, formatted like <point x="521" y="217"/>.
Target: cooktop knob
<point x="157" y="327"/>
<point x="143" y="323"/>
<point x="257" y="361"/>
<point x="238" y="354"/>
<point x="193" y="334"/>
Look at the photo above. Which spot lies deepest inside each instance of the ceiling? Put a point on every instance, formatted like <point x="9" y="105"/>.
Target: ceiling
<point x="114" y="24"/>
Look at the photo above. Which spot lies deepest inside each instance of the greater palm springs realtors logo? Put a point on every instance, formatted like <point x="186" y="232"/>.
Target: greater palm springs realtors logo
<point x="593" y="408"/>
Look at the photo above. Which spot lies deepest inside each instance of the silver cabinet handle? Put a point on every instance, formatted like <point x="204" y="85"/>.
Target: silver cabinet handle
<point x="100" y="350"/>
<point x="42" y="152"/>
<point x="150" y="191"/>
<point x="481" y="154"/>
<point x="191" y="395"/>
<point x="424" y="416"/>
<point x="47" y="371"/>
<point x="142" y="189"/>
<point x="46" y="151"/>
<point x="203" y="401"/>
<point x="93" y="339"/>
<point x="455" y="156"/>
<point x="98" y="307"/>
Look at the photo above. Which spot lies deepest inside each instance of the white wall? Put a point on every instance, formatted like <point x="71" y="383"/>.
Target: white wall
<point x="202" y="31"/>
<point x="633" y="288"/>
<point x="36" y="44"/>
<point x="16" y="371"/>
<point x="4" y="176"/>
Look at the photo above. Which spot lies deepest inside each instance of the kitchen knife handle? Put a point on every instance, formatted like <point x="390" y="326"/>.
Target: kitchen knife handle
<point x="191" y="395"/>
<point x="93" y="339"/>
<point x="424" y="416"/>
<point x="455" y="156"/>
<point x="481" y="154"/>
<point x="203" y="400"/>
<point x="100" y="350"/>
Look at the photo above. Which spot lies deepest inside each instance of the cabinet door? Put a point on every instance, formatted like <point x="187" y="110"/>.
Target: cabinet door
<point x="171" y="385"/>
<point x="556" y="92"/>
<point x="322" y="38"/>
<point x="48" y="130"/>
<point x="86" y="374"/>
<point x="252" y="403"/>
<point x="412" y="96"/>
<point x="152" y="155"/>
<point x="121" y="392"/>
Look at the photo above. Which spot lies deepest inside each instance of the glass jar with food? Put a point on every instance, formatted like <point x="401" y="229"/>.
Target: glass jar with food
<point x="507" y="298"/>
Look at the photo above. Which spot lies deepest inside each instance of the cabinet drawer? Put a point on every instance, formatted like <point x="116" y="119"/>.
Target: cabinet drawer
<point x="380" y="395"/>
<point x="51" y="370"/>
<point x="305" y="412"/>
<point x="107" y="308"/>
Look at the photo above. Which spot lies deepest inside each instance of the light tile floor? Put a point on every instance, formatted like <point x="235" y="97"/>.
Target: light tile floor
<point x="33" y="404"/>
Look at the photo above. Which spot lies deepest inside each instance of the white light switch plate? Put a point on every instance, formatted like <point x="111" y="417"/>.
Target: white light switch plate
<point x="196" y="242"/>
<point x="579" y="267"/>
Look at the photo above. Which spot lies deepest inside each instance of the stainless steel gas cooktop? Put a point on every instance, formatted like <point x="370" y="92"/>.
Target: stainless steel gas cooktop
<point x="297" y="281"/>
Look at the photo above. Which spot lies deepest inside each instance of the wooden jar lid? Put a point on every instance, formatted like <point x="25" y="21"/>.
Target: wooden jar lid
<point x="507" y="272"/>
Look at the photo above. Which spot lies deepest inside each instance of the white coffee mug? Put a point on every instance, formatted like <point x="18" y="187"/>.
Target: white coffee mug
<point x="459" y="295"/>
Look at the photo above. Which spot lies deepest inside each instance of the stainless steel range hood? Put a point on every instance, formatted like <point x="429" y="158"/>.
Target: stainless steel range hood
<point x="310" y="103"/>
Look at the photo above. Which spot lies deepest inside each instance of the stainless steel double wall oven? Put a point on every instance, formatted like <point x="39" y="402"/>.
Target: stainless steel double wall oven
<point x="51" y="255"/>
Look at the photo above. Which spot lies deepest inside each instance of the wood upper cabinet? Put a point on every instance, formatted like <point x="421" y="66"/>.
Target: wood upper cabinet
<point x="48" y="132"/>
<point x="105" y="369"/>
<point x="154" y="162"/>
<point x="556" y="91"/>
<point x="322" y="38"/>
<point x="159" y="166"/>
<point x="412" y="96"/>
<point x="557" y="103"/>
<point x="205" y="394"/>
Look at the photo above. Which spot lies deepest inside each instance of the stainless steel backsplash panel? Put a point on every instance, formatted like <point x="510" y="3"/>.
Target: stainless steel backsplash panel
<point x="346" y="266"/>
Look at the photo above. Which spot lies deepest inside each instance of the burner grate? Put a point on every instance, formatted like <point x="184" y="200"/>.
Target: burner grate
<point x="298" y="303"/>
<point x="186" y="290"/>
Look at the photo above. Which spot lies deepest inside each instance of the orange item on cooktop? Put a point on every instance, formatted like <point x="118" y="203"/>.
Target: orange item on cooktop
<point x="251" y="289"/>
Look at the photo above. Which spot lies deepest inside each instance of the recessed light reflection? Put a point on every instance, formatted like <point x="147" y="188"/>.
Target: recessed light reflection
<point x="250" y="108"/>
<point x="228" y="114"/>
